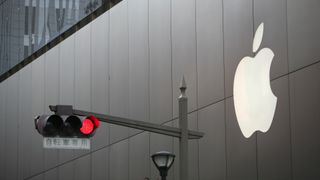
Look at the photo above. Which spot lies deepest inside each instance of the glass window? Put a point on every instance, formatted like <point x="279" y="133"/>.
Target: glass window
<point x="28" y="25"/>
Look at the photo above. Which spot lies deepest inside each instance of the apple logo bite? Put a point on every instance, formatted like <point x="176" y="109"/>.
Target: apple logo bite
<point x="254" y="100"/>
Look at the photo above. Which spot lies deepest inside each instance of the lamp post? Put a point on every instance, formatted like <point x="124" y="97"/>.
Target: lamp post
<point x="163" y="161"/>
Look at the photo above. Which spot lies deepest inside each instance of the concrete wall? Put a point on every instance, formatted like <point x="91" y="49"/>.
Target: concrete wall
<point x="129" y="63"/>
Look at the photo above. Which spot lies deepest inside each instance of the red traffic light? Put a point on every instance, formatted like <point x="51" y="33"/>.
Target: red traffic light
<point x="66" y="126"/>
<point x="89" y="124"/>
<point x="95" y="121"/>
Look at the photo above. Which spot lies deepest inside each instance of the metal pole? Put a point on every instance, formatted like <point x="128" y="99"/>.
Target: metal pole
<point x="146" y="126"/>
<point x="183" y="125"/>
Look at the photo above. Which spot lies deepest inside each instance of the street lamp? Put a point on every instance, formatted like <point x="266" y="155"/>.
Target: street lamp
<point x="163" y="161"/>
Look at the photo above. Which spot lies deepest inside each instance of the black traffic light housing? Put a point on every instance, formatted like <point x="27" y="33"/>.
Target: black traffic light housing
<point x="48" y="125"/>
<point x="64" y="124"/>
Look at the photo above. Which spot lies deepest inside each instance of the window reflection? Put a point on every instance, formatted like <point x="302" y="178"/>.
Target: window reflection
<point x="27" y="25"/>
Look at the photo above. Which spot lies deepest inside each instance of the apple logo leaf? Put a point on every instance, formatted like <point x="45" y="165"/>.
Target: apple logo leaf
<point x="257" y="38"/>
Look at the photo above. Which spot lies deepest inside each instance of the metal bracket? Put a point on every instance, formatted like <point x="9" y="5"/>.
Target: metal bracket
<point x="62" y="109"/>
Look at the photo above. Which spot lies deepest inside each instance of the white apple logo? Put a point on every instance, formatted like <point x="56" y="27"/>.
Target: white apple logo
<point x="254" y="100"/>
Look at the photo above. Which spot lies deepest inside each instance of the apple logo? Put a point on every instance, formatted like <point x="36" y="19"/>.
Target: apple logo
<point x="254" y="100"/>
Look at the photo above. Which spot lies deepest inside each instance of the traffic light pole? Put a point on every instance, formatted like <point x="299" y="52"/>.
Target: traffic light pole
<point x="183" y="124"/>
<point x="182" y="132"/>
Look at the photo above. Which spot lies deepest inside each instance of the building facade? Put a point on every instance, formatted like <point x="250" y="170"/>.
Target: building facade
<point x="129" y="62"/>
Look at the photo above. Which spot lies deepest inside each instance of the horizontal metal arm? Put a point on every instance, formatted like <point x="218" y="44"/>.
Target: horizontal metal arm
<point x="142" y="125"/>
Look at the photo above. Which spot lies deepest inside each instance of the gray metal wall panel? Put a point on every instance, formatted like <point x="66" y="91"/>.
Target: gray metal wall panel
<point x="66" y="71"/>
<point x="25" y="113"/>
<point x="119" y="68"/>
<point x="305" y="115"/>
<point x="160" y="143"/>
<point x="66" y="83"/>
<point x="184" y="51"/>
<point x="100" y="164"/>
<point x="11" y="128"/>
<point x="273" y="14"/>
<point x="100" y="76"/>
<point x="241" y="152"/>
<point x="82" y="168"/>
<point x="51" y="97"/>
<point x="138" y="60"/>
<point x="303" y="32"/>
<point x="175" y="169"/>
<point x="160" y="61"/>
<point x="193" y="156"/>
<point x="238" y="36"/>
<point x="275" y="145"/>
<point x="119" y="158"/>
<point x="37" y="152"/>
<point x="193" y="151"/>
<point x="52" y="174"/>
<point x="209" y="51"/>
<point x="66" y="171"/>
<point x="139" y="156"/>
<point x="212" y="147"/>
<point x="38" y="177"/>
<point x="82" y="68"/>
<point x="2" y="128"/>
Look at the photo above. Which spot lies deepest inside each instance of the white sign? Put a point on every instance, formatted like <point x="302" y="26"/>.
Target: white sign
<point x="254" y="100"/>
<point x="66" y="143"/>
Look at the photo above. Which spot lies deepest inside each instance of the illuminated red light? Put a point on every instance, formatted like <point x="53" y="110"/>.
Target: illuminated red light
<point x="95" y="121"/>
<point x="87" y="126"/>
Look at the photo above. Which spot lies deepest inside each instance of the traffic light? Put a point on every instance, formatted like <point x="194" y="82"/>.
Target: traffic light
<point x="66" y="126"/>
